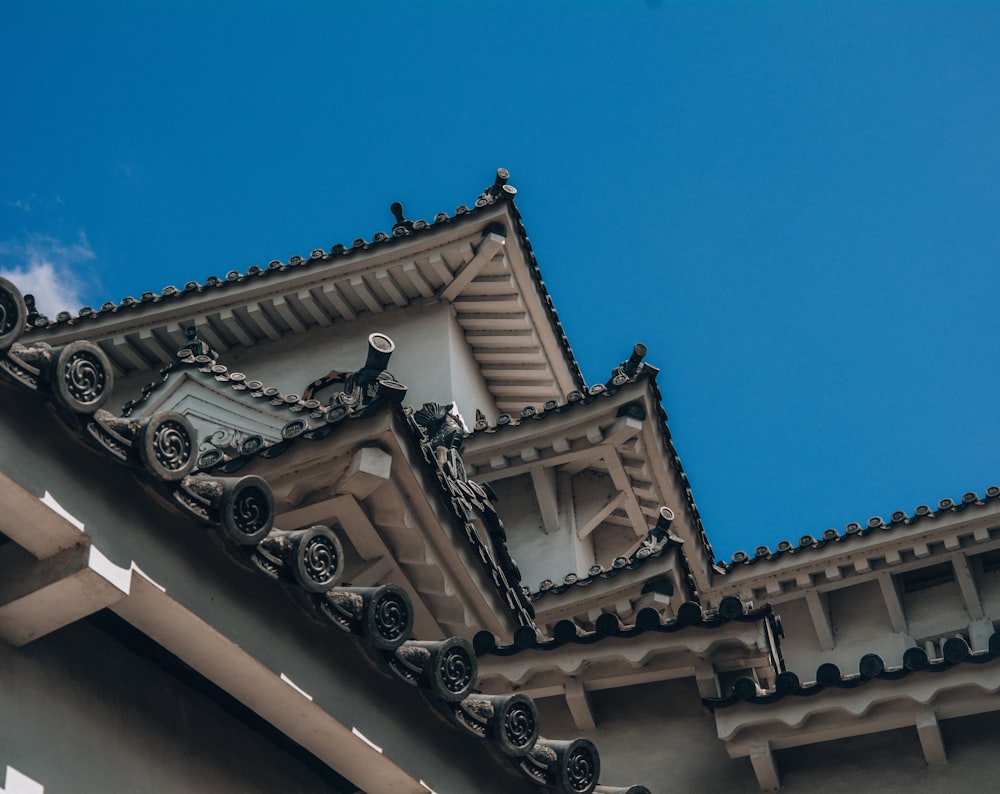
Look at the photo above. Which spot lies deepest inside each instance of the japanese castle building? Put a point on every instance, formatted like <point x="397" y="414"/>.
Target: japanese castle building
<point x="354" y="522"/>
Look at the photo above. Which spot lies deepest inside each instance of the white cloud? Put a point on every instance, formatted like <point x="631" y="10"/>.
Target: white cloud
<point x="48" y="269"/>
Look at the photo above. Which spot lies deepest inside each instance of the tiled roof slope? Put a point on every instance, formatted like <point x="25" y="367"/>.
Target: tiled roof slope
<point x="78" y="379"/>
<point x="500" y="192"/>
<point x="871" y="667"/>
<point x="876" y="524"/>
<point x="648" y="619"/>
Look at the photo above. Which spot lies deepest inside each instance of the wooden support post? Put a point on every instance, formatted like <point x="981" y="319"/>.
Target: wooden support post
<point x="890" y="594"/>
<point x="819" y="612"/>
<point x="967" y="584"/>
<point x="580" y="706"/>
<point x="929" y="734"/>
<point x="543" y="479"/>
<point x="764" y="767"/>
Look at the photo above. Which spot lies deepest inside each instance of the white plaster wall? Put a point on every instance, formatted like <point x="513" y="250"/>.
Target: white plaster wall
<point x="539" y="555"/>
<point x="861" y="625"/>
<point x="431" y="358"/>
<point x="800" y="646"/>
<point x="468" y="387"/>
<point x="935" y="610"/>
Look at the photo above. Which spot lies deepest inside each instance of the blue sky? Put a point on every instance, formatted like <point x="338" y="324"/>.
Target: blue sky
<point x="794" y="205"/>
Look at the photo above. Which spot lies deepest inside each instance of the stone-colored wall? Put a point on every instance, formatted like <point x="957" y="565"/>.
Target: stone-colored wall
<point x="82" y="714"/>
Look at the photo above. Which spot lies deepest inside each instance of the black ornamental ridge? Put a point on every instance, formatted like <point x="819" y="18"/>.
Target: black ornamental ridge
<point x="871" y="667"/>
<point x="77" y="380"/>
<point x="647" y="619"/>
<point x="875" y="524"/>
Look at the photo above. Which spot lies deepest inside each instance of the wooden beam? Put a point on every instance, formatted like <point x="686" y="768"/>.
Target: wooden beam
<point x="373" y="572"/>
<point x="820" y="615"/>
<point x="502" y="471"/>
<point x="370" y="467"/>
<point x="123" y="351"/>
<point x="931" y="742"/>
<point x="208" y="332"/>
<point x="39" y="596"/>
<point x="580" y="705"/>
<point x="598" y="518"/>
<point x="491" y="244"/>
<point x="337" y="300"/>
<point x="624" y="484"/>
<point x="312" y="307"/>
<point x="764" y="767"/>
<point x="367" y="296"/>
<point x="440" y="267"/>
<point x="416" y="278"/>
<point x="967" y="584"/>
<point x="543" y="478"/>
<point x="384" y="279"/>
<point x="890" y="594"/>
<point x="287" y="313"/>
<point x="235" y="326"/>
<point x="259" y="317"/>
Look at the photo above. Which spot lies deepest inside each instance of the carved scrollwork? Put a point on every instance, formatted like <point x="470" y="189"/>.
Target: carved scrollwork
<point x="382" y="615"/>
<point x="13" y="314"/>
<point x="318" y="558"/>
<point x="246" y="510"/>
<point x="509" y="721"/>
<point x="80" y="377"/>
<point x="572" y="767"/>
<point x="227" y="443"/>
<point x="447" y="669"/>
<point x="166" y="446"/>
<point x="313" y="558"/>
